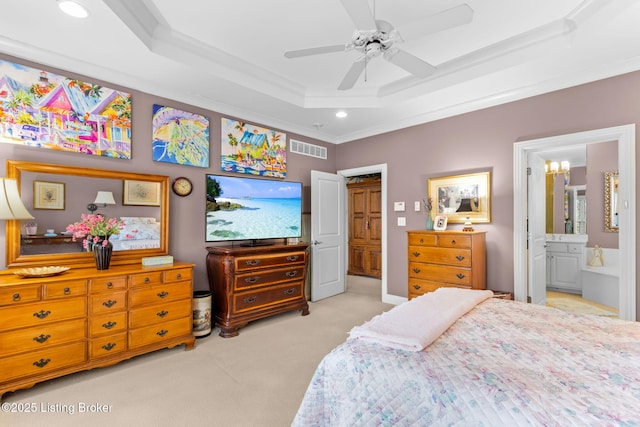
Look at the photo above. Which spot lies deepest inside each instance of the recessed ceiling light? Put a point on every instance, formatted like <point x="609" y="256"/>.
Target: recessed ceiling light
<point x="341" y="114"/>
<point x="73" y="8"/>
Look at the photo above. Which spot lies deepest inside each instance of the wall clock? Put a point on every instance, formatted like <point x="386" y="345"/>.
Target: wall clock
<point x="182" y="186"/>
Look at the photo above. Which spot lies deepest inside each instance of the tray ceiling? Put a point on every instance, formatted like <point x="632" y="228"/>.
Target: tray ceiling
<point x="228" y="56"/>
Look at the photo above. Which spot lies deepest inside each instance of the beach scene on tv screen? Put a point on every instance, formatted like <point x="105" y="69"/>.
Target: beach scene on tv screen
<point x="246" y="209"/>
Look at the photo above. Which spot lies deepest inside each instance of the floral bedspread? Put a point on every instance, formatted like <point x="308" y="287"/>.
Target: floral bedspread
<point x="504" y="363"/>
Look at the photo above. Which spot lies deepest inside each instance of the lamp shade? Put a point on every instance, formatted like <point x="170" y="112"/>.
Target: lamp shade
<point x="104" y="198"/>
<point x="11" y="206"/>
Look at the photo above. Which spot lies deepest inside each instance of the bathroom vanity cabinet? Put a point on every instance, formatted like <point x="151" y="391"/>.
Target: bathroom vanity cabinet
<point x="564" y="266"/>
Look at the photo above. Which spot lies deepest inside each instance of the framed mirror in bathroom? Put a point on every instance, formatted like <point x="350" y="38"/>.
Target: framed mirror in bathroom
<point x="611" y="183"/>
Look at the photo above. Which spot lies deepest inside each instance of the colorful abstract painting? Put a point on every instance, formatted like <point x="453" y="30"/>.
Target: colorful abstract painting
<point x="253" y="150"/>
<point x="42" y="109"/>
<point x="180" y="137"/>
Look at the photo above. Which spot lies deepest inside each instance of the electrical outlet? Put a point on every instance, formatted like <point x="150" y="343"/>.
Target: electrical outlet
<point x="402" y="221"/>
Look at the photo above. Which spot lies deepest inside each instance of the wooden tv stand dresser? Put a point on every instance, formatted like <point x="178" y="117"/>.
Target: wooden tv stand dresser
<point x="87" y="318"/>
<point x="250" y="283"/>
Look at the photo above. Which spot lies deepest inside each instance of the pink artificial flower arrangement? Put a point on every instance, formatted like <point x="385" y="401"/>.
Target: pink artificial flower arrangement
<point x="95" y="227"/>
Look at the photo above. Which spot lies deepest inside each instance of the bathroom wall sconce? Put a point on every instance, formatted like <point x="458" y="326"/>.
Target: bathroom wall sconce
<point x="103" y="198"/>
<point x="11" y="206"/>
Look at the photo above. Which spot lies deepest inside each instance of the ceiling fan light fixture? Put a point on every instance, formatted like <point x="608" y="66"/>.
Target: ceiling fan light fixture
<point x="73" y="8"/>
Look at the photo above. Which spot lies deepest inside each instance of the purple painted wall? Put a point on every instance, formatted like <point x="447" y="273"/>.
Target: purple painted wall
<point x="483" y="140"/>
<point x="186" y="227"/>
<point x="601" y="158"/>
<point x="477" y="141"/>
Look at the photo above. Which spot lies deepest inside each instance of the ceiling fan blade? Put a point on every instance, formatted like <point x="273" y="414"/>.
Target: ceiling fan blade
<point x="352" y="75"/>
<point x="360" y="14"/>
<point x="450" y="18"/>
<point x="316" y="51"/>
<point x="410" y="63"/>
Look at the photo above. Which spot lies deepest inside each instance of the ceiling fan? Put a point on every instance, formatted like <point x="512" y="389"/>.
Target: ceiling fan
<point x="374" y="38"/>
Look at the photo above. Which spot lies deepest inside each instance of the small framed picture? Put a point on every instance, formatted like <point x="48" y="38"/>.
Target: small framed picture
<point x="141" y="193"/>
<point x="48" y="195"/>
<point x="440" y="223"/>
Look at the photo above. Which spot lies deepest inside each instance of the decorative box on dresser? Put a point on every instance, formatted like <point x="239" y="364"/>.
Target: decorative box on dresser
<point x="87" y="318"/>
<point x="446" y="258"/>
<point x="250" y="283"/>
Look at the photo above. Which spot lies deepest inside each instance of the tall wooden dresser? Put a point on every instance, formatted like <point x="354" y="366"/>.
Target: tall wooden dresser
<point x="446" y="258"/>
<point x="87" y="318"/>
<point x="250" y="283"/>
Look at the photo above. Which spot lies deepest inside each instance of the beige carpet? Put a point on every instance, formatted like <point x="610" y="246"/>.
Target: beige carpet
<point x="576" y="304"/>
<point x="255" y="379"/>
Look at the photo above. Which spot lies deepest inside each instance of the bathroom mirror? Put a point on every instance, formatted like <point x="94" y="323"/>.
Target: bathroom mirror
<point x="611" y="181"/>
<point x="77" y="180"/>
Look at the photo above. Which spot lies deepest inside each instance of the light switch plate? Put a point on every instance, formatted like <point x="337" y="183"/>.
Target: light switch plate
<point x="416" y="206"/>
<point x="398" y="206"/>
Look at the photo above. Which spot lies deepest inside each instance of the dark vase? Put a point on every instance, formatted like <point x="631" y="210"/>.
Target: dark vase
<point x="102" y="253"/>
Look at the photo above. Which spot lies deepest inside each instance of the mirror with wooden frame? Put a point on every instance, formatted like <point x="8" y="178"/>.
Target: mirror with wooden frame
<point x="74" y="189"/>
<point x="611" y="182"/>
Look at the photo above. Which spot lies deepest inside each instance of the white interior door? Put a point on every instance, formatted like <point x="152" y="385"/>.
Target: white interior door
<point x="328" y="237"/>
<point x="536" y="236"/>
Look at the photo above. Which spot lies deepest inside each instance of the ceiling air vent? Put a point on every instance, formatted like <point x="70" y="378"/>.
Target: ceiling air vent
<point x="307" y="149"/>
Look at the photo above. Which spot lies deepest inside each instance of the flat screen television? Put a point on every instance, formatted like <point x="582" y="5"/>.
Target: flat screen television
<point x="252" y="209"/>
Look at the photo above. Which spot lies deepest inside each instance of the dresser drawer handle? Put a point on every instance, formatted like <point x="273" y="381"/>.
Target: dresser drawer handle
<point x="16" y="297"/>
<point x="109" y="285"/>
<point x="109" y="346"/>
<point x="421" y="240"/>
<point x="416" y="287"/>
<point x="292" y="273"/>
<point x="290" y="291"/>
<point x="162" y="332"/>
<point x="163" y="294"/>
<point x="251" y="279"/>
<point x="162" y="313"/>
<point x="253" y="262"/>
<point x="416" y="254"/>
<point x="179" y="276"/>
<point x="110" y="303"/>
<point x="147" y="280"/>
<point x="416" y="270"/>
<point x="42" y="338"/>
<point x="453" y="242"/>
<point x="460" y="276"/>
<point x="459" y="257"/>
<point x="252" y="299"/>
<point x="292" y="258"/>
<point x="41" y="363"/>
<point x="67" y="291"/>
<point x="109" y="325"/>
<point x="42" y="314"/>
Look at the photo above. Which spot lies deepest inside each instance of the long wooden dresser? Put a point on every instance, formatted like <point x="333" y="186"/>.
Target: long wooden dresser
<point x="446" y="258"/>
<point x="250" y="283"/>
<point x="87" y="318"/>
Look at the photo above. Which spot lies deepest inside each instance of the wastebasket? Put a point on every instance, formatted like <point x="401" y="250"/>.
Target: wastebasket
<point x="201" y="314"/>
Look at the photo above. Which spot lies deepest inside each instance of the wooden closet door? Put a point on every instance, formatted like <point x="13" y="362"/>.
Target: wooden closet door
<point x="365" y="229"/>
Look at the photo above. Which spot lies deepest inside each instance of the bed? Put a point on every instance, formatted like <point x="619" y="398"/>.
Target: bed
<point x="502" y="363"/>
<point x="137" y="233"/>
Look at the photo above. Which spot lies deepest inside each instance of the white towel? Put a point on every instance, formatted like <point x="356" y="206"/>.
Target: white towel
<point x="417" y="323"/>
